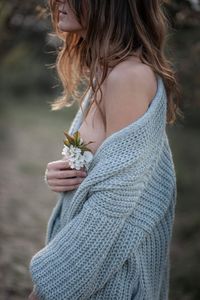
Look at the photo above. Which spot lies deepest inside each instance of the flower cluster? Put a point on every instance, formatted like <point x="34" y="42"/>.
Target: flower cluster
<point x="76" y="151"/>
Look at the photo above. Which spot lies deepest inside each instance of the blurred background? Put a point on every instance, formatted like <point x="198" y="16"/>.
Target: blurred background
<point x="31" y="135"/>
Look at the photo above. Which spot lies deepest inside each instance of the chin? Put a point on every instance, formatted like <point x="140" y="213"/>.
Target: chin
<point x="63" y="27"/>
<point x="68" y="27"/>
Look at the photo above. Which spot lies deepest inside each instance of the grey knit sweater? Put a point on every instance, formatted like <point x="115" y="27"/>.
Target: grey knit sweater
<point x="110" y="238"/>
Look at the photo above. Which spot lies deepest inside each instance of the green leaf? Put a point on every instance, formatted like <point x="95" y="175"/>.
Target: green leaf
<point x="66" y="142"/>
<point x="70" y="138"/>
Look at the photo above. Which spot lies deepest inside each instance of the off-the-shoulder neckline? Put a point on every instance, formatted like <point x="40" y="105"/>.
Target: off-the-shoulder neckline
<point x="153" y="104"/>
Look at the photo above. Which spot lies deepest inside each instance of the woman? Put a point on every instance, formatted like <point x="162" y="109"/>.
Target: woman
<point x="109" y="234"/>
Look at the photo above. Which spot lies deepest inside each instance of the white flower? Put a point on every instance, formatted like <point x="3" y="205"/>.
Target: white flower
<point x="88" y="156"/>
<point x="65" y="151"/>
<point x="75" y="158"/>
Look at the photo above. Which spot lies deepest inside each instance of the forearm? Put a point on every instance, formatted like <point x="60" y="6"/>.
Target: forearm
<point x="32" y="295"/>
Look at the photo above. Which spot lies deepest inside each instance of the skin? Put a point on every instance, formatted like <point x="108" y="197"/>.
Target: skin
<point x="32" y="296"/>
<point x="67" y="20"/>
<point x="128" y="91"/>
<point x="131" y="82"/>
<point x="59" y="173"/>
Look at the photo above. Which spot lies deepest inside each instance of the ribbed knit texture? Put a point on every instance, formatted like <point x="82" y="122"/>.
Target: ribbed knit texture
<point x="110" y="238"/>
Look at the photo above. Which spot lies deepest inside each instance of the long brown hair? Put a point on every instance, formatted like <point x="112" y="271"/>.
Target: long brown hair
<point x="115" y="29"/>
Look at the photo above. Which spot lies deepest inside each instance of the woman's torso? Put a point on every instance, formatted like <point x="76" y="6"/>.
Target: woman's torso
<point x="92" y="128"/>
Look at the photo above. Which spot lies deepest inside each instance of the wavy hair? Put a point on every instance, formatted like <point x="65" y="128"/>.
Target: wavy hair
<point x="115" y="29"/>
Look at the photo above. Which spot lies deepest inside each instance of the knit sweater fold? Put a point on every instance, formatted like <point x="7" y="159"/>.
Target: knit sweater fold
<point x="110" y="238"/>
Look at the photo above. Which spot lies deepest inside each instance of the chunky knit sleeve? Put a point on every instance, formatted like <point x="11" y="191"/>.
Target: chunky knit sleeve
<point x="97" y="241"/>
<point x="69" y="267"/>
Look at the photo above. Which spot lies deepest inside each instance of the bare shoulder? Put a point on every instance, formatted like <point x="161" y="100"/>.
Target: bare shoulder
<point x="133" y="76"/>
<point x="128" y="91"/>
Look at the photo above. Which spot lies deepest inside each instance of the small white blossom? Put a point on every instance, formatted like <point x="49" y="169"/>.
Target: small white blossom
<point x="88" y="156"/>
<point x="75" y="158"/>
<point x="66" y="150"/>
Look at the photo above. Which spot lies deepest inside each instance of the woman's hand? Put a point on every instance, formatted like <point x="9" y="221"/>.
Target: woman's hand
<point x="32" y="296"/>
<point x="61" y="178"/>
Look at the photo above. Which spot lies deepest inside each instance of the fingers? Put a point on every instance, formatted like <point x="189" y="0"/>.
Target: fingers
<point x="63" y="185"/>
<point x="32" y="296"/>
<point x="64" y="182"/>
<point x="60" y="177"/>
<point x="64" y="174"/>
<point x="58" y="165"/>
<point x="64" y="188"/>
<point x="61" y="165"/>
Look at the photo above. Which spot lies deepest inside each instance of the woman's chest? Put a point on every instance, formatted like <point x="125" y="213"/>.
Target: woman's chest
<point x="92" y="128"/>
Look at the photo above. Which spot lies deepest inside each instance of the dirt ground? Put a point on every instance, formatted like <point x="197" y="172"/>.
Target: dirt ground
<point x="29" y="140"/>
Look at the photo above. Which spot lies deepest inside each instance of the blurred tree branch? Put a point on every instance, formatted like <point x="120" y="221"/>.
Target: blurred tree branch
<point x="184" y="13"/>
<point x="22" y="20"/>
